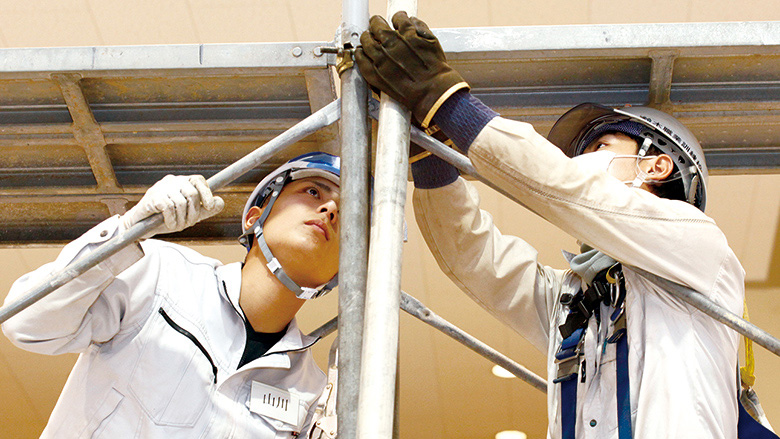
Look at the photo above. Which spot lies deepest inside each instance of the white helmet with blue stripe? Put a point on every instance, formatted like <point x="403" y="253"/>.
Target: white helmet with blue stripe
<point x="315" y="164"/>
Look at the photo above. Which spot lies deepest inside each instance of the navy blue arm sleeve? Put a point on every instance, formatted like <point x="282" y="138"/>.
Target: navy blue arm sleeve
<point x="461" y="118"/>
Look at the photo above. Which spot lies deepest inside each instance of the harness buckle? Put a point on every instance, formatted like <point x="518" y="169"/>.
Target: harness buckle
<point x="568" y="356"/>
<point x="618" y="325"/>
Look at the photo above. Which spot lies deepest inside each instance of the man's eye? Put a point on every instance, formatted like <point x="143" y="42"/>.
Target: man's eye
<point x="313" y="192"/>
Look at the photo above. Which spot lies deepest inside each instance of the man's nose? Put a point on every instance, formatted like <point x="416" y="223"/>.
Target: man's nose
<point x="332" y="210"/>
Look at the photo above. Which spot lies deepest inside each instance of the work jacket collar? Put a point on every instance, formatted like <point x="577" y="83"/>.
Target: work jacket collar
<point x="230" y="278"/>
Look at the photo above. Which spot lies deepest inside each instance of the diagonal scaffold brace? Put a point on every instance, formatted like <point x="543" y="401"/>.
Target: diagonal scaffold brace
<point x="321" y="118"/>
<point x="418" y="310"/>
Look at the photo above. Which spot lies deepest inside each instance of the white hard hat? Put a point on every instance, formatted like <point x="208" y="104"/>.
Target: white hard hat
<point x="579" y="126"/>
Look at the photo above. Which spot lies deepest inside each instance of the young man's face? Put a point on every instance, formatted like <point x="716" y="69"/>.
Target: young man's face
<point x="302" y="230"/>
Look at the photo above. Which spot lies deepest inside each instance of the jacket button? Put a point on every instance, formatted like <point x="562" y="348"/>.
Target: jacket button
<point x="103" y="233"/>
<point x="593" y="422"/>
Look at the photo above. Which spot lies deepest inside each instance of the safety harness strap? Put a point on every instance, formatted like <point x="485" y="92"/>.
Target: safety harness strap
<point x="749" y="428"/>
<point x="568" y="359"/>
<point x="623" y="388"/>
<point x="607" y="287"/>
<point x="581" y="307"/>
<point x="568" y="408"/>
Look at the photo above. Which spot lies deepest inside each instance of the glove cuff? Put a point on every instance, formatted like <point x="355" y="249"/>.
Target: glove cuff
<point x="426" y="120"/>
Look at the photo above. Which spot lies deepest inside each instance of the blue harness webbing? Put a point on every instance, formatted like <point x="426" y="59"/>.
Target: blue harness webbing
<point x="749" y="428"/>
<point x="570" y="352"/>
<point x="568" y="357"/>
<point x="623" y="388"/>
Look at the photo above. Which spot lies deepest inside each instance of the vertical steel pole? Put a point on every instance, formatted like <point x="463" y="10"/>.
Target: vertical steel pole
<point x="380" y="331"/>
<point x="355" y="163"/>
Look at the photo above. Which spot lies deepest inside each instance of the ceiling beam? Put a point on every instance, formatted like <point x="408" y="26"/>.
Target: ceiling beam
<point x="87" y="132"/>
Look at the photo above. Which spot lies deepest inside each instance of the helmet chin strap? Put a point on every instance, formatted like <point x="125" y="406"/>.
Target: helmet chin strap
<point x="276" y="268"/>
<point x="272" y="263"/>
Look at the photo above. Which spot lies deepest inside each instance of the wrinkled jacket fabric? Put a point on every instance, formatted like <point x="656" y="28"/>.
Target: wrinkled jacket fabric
<point x="682" y="364"/>
<point x="136" y="375"/>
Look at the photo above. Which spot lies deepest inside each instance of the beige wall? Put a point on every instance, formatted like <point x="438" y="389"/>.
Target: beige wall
<point x="41" y="23"/>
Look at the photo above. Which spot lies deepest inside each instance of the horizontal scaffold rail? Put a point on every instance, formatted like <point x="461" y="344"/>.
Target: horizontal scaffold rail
<point x="90" y="128"/>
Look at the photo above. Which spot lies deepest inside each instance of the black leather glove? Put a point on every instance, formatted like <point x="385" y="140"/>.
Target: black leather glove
<point x="408" y="64"/>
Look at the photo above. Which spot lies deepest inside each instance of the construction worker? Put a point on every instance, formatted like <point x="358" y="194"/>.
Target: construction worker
<point x="176" y="345"/>
<point x="625" y="357"/>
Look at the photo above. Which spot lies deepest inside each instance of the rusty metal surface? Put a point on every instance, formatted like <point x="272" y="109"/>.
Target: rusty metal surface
<point x="84" y="131"/>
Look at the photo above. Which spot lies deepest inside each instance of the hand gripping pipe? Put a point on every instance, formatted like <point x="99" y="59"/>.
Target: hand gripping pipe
<point x="324" y="117"/>
<point x="378" y="366"/>
<point x="693" y="298"/>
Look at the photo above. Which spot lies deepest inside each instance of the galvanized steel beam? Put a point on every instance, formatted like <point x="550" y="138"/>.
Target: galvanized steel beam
<point x="322" y="91"/>
<point x="661" y="71"/>
<point x="162" y="60"/>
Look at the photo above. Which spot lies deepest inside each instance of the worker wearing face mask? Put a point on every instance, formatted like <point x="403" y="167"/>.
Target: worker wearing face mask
<point x="625" y="357"/>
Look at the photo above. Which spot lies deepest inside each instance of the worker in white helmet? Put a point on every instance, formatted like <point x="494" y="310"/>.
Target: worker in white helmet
<point x="174" y="344"/>
<point x="625" y="357"/>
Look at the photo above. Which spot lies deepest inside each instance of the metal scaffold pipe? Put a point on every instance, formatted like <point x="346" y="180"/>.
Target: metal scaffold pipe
<point x="380" y="331"/>
<point x="353" y="251"/>
<point x="324" y="117"/>
<point x="416" y="308"/>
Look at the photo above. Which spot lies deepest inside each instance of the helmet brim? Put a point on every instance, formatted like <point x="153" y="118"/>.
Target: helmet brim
<point x="568" y="129"/>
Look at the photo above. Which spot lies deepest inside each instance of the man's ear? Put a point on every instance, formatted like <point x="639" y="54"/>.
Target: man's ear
<point x="252" y="215"/>
<point x="661" y="167"/>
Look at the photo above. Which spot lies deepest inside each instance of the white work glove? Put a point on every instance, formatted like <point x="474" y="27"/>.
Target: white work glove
<point x="182" y="200"/>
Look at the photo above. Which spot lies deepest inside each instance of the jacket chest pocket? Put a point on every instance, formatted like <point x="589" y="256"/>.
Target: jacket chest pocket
<point x="174" y="375"/>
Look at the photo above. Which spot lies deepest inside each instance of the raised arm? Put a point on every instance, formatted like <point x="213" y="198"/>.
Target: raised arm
<point x="500" y="272"/>
<point x="98" y="304"/>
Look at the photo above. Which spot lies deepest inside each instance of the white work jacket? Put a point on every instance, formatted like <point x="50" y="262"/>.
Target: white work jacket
<point x="138" y="375"/>
<point x="682" y="363"/>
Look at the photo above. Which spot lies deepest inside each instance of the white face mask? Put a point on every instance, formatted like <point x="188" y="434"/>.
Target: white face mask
<point x="623" y="167"/>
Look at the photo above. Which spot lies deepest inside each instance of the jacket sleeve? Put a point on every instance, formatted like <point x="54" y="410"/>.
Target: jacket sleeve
<point x="500" y="272"/>
<point x="91" y="308"/>
<point x="669" y="238"/>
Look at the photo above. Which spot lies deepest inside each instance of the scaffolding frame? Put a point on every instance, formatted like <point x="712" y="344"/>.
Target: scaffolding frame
<point x="370" y="294"/>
